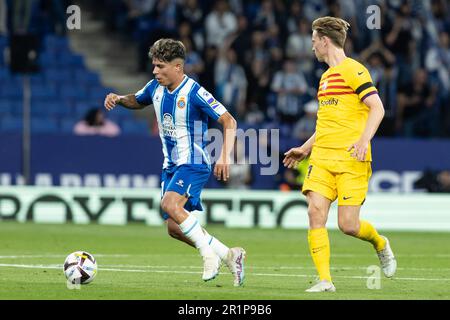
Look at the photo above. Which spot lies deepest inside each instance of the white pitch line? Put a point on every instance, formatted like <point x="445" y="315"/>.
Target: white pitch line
<point x="195" y="272"/>
<point x="31" y="256"/>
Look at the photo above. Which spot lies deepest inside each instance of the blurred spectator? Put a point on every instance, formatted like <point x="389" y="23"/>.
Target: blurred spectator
<point x="240" y="170"/>
<point x="416" y="106"/>
<point x="289" y="84"/>
<point x="434" y="181"/>
<point x="3" y="17"/>
<point x="193" y="65"/>
<point x="208" y="76"/>
<point x="265" y="17"/>
<point x="192" y="13"/>
<point x="219" y="24"/>
<point x="95" y="123"/>
<point x="231" y="82"/>
<point x="306" y="126"/>
<point x="22" y="14"/>
<point x="299" y="48"/>
<point x="438" y="60"/>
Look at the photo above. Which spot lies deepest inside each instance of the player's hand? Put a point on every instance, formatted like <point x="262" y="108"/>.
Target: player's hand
<point x="111" y="100"/>
<point x="359" y="149"/>
<point x="294" y="156"/>
<point x="222" y="169"/>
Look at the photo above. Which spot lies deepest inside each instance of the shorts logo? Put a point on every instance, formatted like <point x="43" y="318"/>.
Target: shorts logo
<point x="346" y="198"/>
<point x="181" y="103"/>
<point x="180" y="183"/>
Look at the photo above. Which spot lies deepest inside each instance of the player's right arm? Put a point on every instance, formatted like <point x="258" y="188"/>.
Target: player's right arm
<point x="295" y="155"/>
<point x="129" y="101"/>
<point x="136" y="101"/>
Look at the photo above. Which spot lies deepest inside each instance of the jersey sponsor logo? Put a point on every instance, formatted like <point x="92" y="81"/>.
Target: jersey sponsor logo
<point x="213" y="103"/>
<point x="181" y="103"/>
<point x="329" y="102"/>
<point x="169" y="129"/>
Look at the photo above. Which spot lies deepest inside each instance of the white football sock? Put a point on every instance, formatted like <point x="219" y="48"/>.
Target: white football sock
<point x="193" y="230"/>
<point x="219" y="248"/>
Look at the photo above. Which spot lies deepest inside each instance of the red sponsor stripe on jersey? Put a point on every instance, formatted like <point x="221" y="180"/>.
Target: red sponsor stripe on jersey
<point x="335" y="93"/>
<point x="334" y="80"/>
<point x="333" y="75"/>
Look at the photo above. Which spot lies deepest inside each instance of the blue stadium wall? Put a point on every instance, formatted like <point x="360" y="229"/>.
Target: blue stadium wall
<point x="135" y="161"/>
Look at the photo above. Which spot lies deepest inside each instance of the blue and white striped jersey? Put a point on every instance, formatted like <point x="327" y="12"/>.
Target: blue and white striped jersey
<point x="182" y="120"/>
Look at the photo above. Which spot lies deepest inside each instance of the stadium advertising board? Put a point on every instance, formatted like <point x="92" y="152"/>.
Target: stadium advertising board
<point x="246" y="209"/>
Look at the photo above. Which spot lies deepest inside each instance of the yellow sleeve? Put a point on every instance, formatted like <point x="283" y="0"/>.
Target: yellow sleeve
<point x="359" y="79"/>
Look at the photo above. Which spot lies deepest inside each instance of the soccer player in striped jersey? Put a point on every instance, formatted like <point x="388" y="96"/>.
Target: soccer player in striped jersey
<point x="182" y="109"/>
<point x="350" y="112"/>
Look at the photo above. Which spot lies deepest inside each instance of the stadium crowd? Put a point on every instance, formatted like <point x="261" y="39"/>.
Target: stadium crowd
<point x="256" y="57"/>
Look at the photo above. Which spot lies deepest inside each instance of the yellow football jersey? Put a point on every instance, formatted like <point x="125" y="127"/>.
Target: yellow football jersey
<point x="342" y="115"/>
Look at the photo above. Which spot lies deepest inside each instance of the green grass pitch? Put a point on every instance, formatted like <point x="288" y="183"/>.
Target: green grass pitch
<point x="142" y="262"/>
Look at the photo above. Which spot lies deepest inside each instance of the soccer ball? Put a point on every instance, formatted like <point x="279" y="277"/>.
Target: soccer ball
<point x="80" y="267"/>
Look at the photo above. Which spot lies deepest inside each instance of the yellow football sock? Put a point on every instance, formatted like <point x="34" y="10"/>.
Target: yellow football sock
<point x="368" y="233"/>
<point x="319" y="247"/>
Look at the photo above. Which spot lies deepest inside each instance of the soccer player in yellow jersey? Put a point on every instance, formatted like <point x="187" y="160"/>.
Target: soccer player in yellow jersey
<point x="350" y="112"/>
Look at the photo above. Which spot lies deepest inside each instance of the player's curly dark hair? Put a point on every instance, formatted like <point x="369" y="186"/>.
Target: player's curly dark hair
<point x="167" y="50"/>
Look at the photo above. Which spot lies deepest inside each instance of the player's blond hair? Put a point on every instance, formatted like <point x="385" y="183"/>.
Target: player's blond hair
<point x="333" y="28"/>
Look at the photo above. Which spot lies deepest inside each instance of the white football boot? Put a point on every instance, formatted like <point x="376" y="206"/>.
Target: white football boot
<point x="211" y="265"/>
<point x="387" y="260"/>
<point x="235" y="262"/>
<point x="322" y="286"/>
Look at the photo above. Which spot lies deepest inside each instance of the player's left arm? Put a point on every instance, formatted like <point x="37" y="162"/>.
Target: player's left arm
<point x="376" y="114"/>
<point x="222" y="167"/>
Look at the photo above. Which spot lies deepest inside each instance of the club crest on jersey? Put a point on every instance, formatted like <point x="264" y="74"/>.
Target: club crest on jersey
<point x="324" y="86"/>
<point x="181" y="103"/>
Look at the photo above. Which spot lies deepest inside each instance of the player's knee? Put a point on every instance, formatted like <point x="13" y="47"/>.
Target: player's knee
<point x="316" y="215"/>
<point x="348" y="228"/>
<point x="168" y="205"/>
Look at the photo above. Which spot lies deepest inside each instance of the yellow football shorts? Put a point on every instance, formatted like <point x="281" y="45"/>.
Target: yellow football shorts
<point x="346" y="180"/>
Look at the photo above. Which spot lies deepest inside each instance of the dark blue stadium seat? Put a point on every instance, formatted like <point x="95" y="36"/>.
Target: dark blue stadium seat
<point x="43" y="91"/>
<point x="11" y="124"/>
<point x="87" y="77"/>
<point x="67" y="124"/>
<point x="50" y="108"/>
<point x="73" y="92"/>
<point x="70" y="61"/>
<point x="4" y="74"/>
<point x="44" y="125"/>
<point x="55" y="43"/>
<point x="47" y="59"/>
<point x="11" y="91"/>
<point x="98" y="94"/>
<point x="135" y="127"/>
<point x="5" y="107"/>
<point x="58" y="75"/>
